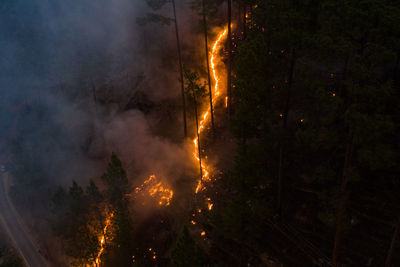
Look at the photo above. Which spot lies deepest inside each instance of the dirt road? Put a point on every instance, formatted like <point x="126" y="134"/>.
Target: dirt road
<point x="16" y="230"/>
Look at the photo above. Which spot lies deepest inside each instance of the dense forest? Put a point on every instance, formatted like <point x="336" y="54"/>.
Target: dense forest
<point x="220" y="133"/>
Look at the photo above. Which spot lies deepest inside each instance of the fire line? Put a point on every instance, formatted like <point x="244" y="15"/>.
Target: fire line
<point x="103" y="240"/>
<point x="154" y="187"/>
<point x="205" y="116"/>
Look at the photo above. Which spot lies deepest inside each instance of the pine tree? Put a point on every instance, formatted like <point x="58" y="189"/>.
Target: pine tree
<point x="186" y="252"/>
<point x="74" y="222"/>
<point x="312" y="87"/>
<point x="121" y="248"/>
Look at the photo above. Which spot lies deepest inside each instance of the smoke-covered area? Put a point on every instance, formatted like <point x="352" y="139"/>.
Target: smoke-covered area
<point x="128" y="135"/>
<point x="68" y="70"/>
<point x="81" y="79"/>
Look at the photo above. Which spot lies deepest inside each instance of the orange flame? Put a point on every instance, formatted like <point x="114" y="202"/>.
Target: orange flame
<point x="103" y="239"/>
<point x="205" y="117"/>
<point x="157" y="190"/>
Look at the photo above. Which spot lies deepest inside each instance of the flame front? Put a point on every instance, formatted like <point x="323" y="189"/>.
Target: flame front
<point x="205" y="117"/>
<point x="103" y="239"/>
<point x="157" y="190"/>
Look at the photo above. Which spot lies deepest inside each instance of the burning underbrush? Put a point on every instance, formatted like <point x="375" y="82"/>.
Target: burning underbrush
<point x="156" y="189"/>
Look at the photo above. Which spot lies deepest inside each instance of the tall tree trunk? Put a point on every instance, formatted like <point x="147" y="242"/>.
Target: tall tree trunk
<point x="198" y="134"/>
<point x="178" y="44"/>
<point x="396" y="66"/>
<point x="279" y="185"/>
<point x="284" y="126"/>
<point x="94" y="96"/>
<point x="208" y="66"/>
<point x="389" y="257"/>
<point x="290" y="85"/>
<point x="343" y="200"/>
<point x="346" y="165"/>
<point x="344" y="77"/>
<point x="229" y="40"/>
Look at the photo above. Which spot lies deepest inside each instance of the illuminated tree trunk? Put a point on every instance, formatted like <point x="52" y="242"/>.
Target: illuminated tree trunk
<point x="284" y="126"/>
<point x="208" y="66"/>
<point x="229" y="40"/>
<point x="343" y="201"/>
<point x="389" y="257"/>
<point x="198" y="134"/>
<point x="180" y="69"/>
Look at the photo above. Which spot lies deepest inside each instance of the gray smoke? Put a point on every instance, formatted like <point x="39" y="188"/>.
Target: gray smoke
<point x="52" y="54"/>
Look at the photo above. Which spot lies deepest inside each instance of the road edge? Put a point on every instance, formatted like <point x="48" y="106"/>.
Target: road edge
<point x="6" y="184"/>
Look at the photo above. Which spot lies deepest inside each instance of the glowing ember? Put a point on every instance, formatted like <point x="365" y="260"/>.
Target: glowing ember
<point x="157" y="190"/>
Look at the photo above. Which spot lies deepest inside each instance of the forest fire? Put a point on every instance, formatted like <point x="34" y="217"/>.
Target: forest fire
<point x="157" y="190"/>
<point x="200" y="133"/>
<point x="103" y="239"/>
<point x="205" y="116"/>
